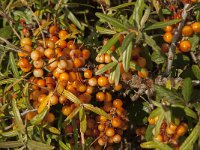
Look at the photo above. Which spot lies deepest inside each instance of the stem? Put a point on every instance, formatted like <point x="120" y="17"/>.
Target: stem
<point x="175" y="40"/>
<point x="82" y="140"/>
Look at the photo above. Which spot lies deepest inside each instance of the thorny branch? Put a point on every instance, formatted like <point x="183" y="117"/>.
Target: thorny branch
<point x="175" y="40"/>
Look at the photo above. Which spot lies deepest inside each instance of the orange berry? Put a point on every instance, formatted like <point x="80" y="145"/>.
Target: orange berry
<point x="77" y="63"/>
<point x="41" y="98"/>
<point x="107" y="58"/>
<point x="23" y="63"/>
<point x="108" y="97"/>
<point x="38" y="63"/>
<point x="62" y="44"/>
<point x="53" y="29"/>
<point x="151" y="121"/>
<point x="100" y="96"/>
<point x="71" y="44"/>
<point x="86" y="53"/>
<point x="66" y="110"/>
<point x="54" y="99"/>
<point x="62" y="64"/>
<point x="50" y="117"/>
<point x="185" y="46"/>
<point x="41" y="82"/>
<point x="53" y="39"/>
<point x="110" y="132"/>
<point x="26" y="48"/>
<point x="102" y="81"/>
<point x="62" y="99"/>
<point x="72" y="76"/>
<point x="82" y="88"/>
<point x="168" y="29"/>
<point x="117" y="87"/>
<point x="30" y="115"/>
<point x="101" y="142"/>
<point x="88" y="74"/>
<point x="26" y="41"/>
<point x="62" y="34"/>
<point x="38" y="73"/>
<point x="168" y="37"/>
<point x="50" y="44"/>
<point x="117" y="103"/>
<point x="117" y="138"/>
<point x="181" y="130"/>
<point x="116" y="122"/>
<point x="64" y="77"/>
<point x="196" y="27"/>
<point x="159" y="138"/>
<point x="187" y="31"/>
<point x="49" y="53"/>
<point x="35" y="55"/>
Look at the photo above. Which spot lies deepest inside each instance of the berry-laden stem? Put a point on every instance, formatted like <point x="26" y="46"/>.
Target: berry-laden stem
<point x="175" y="39"/>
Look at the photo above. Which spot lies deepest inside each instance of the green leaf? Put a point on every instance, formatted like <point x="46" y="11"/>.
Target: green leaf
<point x="145" y="16"/>
<point x="64" y="146"/>
<point x="157" y="145"/>
<point x="33" y="145"/>
<point x="159" y="25"/>
<point x="138" y="13"/>
<point x="151" y="42"/>
<point x="17" y="117"/>
<point x="155" y="113"/>
<point x="149" y="134"/>
<point x="194" y="40"/>
<point x="68" y="95"/>
<point x="158" y="58"/>
<point x="26" y="96"/>
<point x="73" y="19"/>
<point x="127" y="41"/>
<point x="111" y="20"/>
<point x="187" y="89"/>
<point x="157" y="6"/>
<point x="110" y="43"/>
<point x="117" y="74"/>
<point x="39" y="117"/>
<point x="7" y="81"/>
<point x="167" y="94"/>
<point x="102" y="30"/>
<point x="53" y="130"/>
<point x="6" y="32"/>
<point x="11" y="144"/>
<point x="191" y="139"/>
<point x="73" y="113"/>
<point x="97" y="110"/>
<point x="11" y="133"/>
<point x="126" y="57"/>
<point x="106" y="67"/>
<point x="196" y="71"/>
<point x="83" y="121"/>
<point x="13" y="65"/>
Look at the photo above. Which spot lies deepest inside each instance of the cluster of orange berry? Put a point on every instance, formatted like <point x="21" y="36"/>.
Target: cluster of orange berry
<point x="62" y="62"/>
<point x="184" y="44"/>
<point x="169" y="133"/>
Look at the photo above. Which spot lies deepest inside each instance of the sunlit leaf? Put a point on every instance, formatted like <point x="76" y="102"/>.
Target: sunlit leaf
<point x="73" y="113"/>
<point x="111" y="20"/>
<point x="127" y="41"/>
<point x="39" y="117"/>
<point x="11" y="144"/>
<point x="97" y="110"/>
<point x="64" y="146"/>
<point x="126" y="57"/>
<point x="31" y="144"/>
<point x="68" y="95"/>
<point x="105" y="68"/>
<point x="159" y="25"/>
<point x="102" y="30"/>
<point x="109" y="44"/>
<point x="83" y="121"/>
<point x="157" y="145"/>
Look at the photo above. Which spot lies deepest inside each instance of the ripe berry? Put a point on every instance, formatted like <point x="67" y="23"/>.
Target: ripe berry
<point x="143" y="73"/>
<point x="116" y="122"/>
<point x="38" y="73"/>
<point x="35" y="55"/>
<point x="168" y="29"/>
<point x="92" y="81"/>
<point x="38" y="63"/>
<point x="168" y="37"/>
<point x="141" y="61"/>
<point x="110" y="132"/>
<point x="88" y="74"/>
<point x="187" y="31"/>
<point x="117" y="87"/>
<point x="26" y="41"/>
<point x="117" y="138"/>
<point x="50" y="117"/>
<point x="196" y="27"/>
<point x="185" y="46"/>
<point x="102" y="81"/>
<point x="86" y="54"/>
<point x="62" y="34"/>
<point x="100" y="96"/>
<point x="117" y="103"/>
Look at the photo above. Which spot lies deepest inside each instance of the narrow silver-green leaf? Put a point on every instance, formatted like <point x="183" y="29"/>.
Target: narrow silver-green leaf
<point x="122" y="6"/>
<point x="73" y="19"/>
<point x="26" y="96"/>
<point x="196" y="71"/>
<point x="68" y="95"/>
<point x="145" y="16"/>
<point x="105" y="68"/>
<point x="12" y="133"/>
<point x="97" y="110"/>
<point x="7" y="81"/>
<point x="117" y="74"/>
<point x="64" y="146"/>
<point x="11" y="144"/>
<point x="38" y="118"/>
<point x="110" y="43"/>
<point x="31" y="144"/>
<point x="126" y="57"/>
<point x="187" y="89"/>
<point x="127" y="41"/>
<point x="113" y="21"/>
<point x="159" y="25"/>
<point x="13" y="65"/>
<point x="83" y="121"/>
<point x="191" y="139"/>
<point x="157" y="145"/>
<point x="17" y="117"/>
<point x="149" y="40"/>
<point x="53" y="130"/>
<point x="102" y="30"/>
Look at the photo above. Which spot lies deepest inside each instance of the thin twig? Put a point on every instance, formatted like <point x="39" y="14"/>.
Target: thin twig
<point x="193" y="57"/>
<point x="82" y="140"/>
<point x="175" y="40"/>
